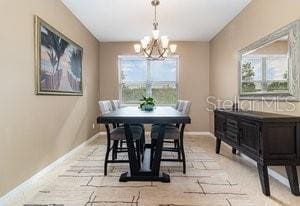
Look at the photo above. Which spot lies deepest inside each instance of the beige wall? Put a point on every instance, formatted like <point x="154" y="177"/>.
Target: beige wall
<point x="259" y="18"/>
<point x="193" y="76"/>
<point x="36" y="130"/>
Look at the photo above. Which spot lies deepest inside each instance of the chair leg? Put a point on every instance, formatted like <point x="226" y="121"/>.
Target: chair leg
<point x="106" y="157"/>
<point x="143" y="142"/>
<point x="115" y="147"/>
<point x="138" y="151"/>
<point x="183" y="155"/>
<point x="121" y="144"/>
<point x="153" y="144"/>
<point x="142" y="146"/>
<point x="177" y="146"/>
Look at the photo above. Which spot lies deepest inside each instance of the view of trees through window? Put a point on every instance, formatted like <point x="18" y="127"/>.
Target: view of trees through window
<point x="264" y="74"/>
<point x="139" y="76"/>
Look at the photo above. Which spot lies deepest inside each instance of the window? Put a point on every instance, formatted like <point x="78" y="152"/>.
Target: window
<point x="264" y="74"/>
<point x="139" y="76"/>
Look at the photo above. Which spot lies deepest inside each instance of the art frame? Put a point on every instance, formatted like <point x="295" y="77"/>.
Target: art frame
<point x="58" y="62"/>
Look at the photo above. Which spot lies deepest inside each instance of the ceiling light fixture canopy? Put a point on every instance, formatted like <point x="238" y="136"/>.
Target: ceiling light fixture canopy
<point x="155" y="47"/>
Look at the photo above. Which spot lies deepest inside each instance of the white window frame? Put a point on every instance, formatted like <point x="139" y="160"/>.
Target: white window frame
<point x="264" y="81"/>
<point x="148" y="82"/>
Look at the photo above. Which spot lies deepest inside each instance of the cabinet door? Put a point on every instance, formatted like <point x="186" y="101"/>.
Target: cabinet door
<point x="219" y="125"/>
<point x="249" y="136"/>
<point x="280" y="140"/>
<point x="232" y="129"/>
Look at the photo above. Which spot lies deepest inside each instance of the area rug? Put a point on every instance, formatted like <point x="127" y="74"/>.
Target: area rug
<point x="83" y="183"/>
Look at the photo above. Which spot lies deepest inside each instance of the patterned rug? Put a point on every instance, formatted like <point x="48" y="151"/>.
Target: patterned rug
<point x="83" y="183"/>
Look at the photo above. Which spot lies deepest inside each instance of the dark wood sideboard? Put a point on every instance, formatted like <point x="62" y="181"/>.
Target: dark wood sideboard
<point x="267" y="138"/>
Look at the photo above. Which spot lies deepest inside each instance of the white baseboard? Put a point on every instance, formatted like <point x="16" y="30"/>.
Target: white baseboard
<point x="211" y="134"/>
<point x="23" y="186"/>
<point x="197" y="133"/>
<point x="271" y="172"/>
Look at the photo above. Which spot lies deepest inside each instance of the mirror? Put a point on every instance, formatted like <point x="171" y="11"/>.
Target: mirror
<point x="269" y="68"/>
<point x="265" y="70"/>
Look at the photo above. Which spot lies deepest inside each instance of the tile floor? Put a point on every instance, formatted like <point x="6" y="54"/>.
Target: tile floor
<point x="211" y="179"/>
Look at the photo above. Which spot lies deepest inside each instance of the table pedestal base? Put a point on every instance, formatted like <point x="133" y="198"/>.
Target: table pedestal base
<point x="145" y="176"/>
<point x="146" y="172"/>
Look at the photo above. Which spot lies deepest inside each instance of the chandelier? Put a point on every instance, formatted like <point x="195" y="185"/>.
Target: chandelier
<point x="155" y="47"/>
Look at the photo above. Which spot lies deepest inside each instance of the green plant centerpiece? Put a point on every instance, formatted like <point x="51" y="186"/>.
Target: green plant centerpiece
<point x="147" y="103"/>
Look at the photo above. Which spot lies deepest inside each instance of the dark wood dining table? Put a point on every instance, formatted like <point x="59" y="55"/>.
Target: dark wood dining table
<point x="133" y="115"/>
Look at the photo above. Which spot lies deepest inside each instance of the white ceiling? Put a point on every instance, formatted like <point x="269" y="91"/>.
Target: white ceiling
<point x="130" y="20"/>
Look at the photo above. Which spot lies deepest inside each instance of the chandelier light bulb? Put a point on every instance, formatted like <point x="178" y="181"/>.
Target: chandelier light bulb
<point x="144" y="43"/>
<point x="165" y="42"/>
<point x="155" y="34"/>
<point x="137" y="48"/>
<point x="173" y="48"/>
<point x="147" y="39"/>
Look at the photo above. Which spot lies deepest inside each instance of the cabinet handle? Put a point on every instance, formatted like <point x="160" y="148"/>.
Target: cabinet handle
<point x="231" y="124"/>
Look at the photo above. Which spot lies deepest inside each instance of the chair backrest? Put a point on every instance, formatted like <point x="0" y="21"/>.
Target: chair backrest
<point x="177" y="104"/>
<point x="180" y="105"/>
<point x="105" y="106"/>
<point x="116" y="104"/>
<point x="186" y="107"/>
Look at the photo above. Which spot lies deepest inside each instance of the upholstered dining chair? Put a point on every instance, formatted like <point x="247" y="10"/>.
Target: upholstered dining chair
<point x="105" y="107"/>
<point x="174" y="133"/>
<point x="117" y="134"/>
<point x="116" y="104"/>
<point x="178" y="104"/>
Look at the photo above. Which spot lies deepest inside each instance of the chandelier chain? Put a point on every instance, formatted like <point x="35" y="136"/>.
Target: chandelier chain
<point x="155" y="24"/>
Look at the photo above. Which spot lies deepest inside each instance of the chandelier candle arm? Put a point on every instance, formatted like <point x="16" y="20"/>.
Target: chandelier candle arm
<point x="163" y="53"/>
<point x="155" y="47"/>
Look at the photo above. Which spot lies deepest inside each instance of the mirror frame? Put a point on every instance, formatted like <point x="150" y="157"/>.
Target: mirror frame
<point x="291" y="30"/>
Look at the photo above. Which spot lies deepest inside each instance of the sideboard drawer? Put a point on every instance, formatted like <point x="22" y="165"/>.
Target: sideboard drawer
<point x="233" y="136"/>
<point x="232" y="123"/>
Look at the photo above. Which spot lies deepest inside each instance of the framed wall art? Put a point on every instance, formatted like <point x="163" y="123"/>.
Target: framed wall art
<point x="58" y="62"/>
